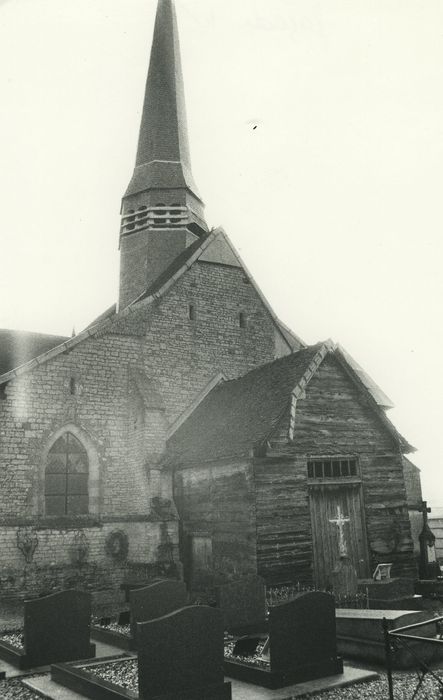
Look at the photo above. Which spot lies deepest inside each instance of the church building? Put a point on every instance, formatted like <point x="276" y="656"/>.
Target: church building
<point x="187" y="431"/>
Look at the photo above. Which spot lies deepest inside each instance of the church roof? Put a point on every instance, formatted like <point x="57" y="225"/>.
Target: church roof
<point x="240" y="415"/>
<point x="104" y="322"/>
<point x="179" y="265"/>
<point x="19" y="347"/>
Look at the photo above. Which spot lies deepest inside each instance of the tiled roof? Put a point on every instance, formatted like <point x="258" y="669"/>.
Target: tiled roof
<point x="239" y="414"/>
<point x="176" y="265"/>
<point x="18" y="347"/>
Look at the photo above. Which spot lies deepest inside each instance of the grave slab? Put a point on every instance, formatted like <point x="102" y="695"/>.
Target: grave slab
<point x="103" y="651"/>
<point x="350" y="676"/>
<point x="430" y="588"/>
<point x="152" y="601"/>
<point x="243" y="604"/>
<point x="360" y="635"/>
<point x="180" y="655"/>
<point x="46" y="621"/>
<point x="240" y="691"/>
<point x="301" y="644"/>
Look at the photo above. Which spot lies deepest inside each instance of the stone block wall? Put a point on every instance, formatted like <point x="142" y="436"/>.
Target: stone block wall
<point x="89" y="391"/>
<point x="62" y="557"/>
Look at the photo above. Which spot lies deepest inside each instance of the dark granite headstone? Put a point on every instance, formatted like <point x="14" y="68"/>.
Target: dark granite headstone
<point x="243" y="603"/>
<point x="156" y="600"/>
<point x="57" y="627"/>
<point x="181" y="656"/>
<point x="124" y="618"/>
<point x="302" y="632"/>
<point x="128" y="586"/>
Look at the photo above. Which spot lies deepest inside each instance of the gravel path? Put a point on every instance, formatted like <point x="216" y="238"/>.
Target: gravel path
<point x="125" y="673"/>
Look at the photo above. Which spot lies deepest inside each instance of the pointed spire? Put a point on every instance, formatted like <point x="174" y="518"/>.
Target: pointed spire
<point x="163" y="159"/>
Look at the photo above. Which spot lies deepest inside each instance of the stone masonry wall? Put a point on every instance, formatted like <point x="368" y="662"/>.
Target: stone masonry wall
<point x="184" y="354"/>
<point x="87" y="391"/>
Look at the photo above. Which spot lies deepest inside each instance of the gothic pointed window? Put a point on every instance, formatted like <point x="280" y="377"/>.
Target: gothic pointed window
<point x="66" y="477"/>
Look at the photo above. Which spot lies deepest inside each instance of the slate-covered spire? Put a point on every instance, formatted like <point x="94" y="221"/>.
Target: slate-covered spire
<point x="163" y="135"/>
<point x="163" y="158"/>
<point x="162" y="212"/>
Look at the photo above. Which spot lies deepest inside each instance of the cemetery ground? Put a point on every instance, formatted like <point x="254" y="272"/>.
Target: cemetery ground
<point x="404" y="685"/>
<point x="124" y="672"/>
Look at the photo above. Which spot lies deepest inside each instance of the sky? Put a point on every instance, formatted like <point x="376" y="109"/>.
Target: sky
<point x="316" y="132"/>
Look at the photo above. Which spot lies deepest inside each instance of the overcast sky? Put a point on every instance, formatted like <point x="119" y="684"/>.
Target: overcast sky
<point x="333" y="201"/>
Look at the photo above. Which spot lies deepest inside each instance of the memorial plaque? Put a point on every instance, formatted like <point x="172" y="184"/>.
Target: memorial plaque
<point x="243" y="603"/>
<point x="181" y="656"/>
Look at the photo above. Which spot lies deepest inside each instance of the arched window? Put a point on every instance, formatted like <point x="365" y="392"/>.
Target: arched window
<point x="66" y="477"/>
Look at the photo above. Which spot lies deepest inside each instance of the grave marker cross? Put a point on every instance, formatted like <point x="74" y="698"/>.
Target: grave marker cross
<point x="340" y="521"/>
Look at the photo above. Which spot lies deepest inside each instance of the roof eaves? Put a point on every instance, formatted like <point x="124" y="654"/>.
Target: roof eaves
<point x="298" y="391"/>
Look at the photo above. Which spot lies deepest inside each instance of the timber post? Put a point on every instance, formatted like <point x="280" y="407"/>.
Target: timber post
<point x="388" y="653"/>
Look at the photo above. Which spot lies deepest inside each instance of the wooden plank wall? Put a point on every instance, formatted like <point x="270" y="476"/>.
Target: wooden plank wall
<point x="218" y="501"/>
<point x="436" y="525"/>
<point x="333" y="419"/>
<point x="284" y="542"/>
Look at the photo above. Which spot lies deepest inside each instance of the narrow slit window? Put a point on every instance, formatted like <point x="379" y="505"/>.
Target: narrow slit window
<point x="242" y="320"/>
<point x="72" y="386"/>
<point x="192" y="312"/>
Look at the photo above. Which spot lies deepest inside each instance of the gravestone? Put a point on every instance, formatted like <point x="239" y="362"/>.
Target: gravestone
<point x="302" y="635"/>
<point x="56" y="628"/>
<point x="181" y="656"/>
<point x="360" y="636"/>
<point x="243" y="603"/>
<point x="156" y="600"/>
<point x="390" y="594"/>
<point x="301" y="645"/>
<point x="128" y="586"/>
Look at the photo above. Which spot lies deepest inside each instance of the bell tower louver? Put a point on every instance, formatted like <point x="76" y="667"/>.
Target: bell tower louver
<point x="162" y="212"/>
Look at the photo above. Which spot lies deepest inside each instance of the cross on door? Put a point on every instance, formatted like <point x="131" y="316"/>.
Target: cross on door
<point x="340" y="521"/>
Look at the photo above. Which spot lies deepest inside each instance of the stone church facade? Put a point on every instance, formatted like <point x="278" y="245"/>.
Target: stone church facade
<point x="97" y="479"/>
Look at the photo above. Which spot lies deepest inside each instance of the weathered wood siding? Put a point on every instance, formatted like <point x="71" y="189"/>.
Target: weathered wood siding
<point x="335" y="418"/>
<point x="218" y="501"/>
<point x="284" y="542"/>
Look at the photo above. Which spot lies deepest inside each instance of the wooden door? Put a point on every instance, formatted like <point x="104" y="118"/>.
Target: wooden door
<point x="343" y="503"/>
